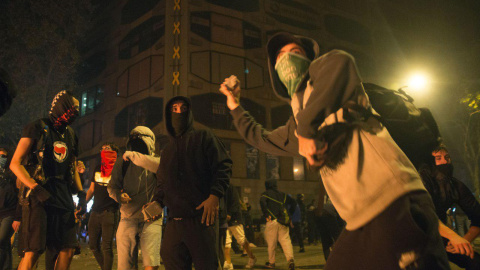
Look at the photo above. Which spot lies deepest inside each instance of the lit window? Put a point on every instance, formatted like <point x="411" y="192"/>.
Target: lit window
<point x="91" y="99"/>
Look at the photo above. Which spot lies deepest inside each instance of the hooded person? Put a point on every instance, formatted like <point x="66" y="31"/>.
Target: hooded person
<point x="44" y="162"/>
<point x="277" y="208"/>
<point x="370" y="181"/>
<point x="194" y="173"/>
<point x="133" y="187"/>
<point x="448" y="192"/>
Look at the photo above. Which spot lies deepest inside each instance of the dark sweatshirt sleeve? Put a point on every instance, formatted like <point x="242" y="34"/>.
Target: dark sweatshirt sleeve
<point x="467" y="202"/>
<point x="159" y="190"/>
<point x="263" y="206"/>
<point x="281" y="141"/>
<point x="335" y="81"/>
<point x="115" y="185"/>
<point x="220" y="164"/>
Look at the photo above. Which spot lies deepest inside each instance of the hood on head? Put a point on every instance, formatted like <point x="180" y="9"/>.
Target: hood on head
<point x="274" y="45"/>
<point x="146" y="135"/>
<point x="271" y="184"/>
<point x="168" y="114"/>
<point x="64" y="110"/>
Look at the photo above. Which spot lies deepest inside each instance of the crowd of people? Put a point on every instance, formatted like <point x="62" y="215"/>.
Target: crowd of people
<point x="393" y="211"/>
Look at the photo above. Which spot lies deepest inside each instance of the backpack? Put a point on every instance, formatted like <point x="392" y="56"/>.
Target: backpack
<point x="285" y="218"/>
<point x="413" y="129"/>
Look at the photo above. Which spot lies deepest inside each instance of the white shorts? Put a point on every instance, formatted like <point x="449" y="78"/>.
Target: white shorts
<point x="237" y="232"/>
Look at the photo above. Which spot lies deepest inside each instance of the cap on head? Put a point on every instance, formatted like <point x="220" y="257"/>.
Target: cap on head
<point x="279" y="40"/>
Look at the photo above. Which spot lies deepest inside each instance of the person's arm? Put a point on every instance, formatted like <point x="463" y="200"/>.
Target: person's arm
<point x="23" y="148"/>
<point x="334" y="79"/>
<point x="147" y="162"/>
<point x="221" y="167"/>
<point x="76" y="179"/>
<point x="471" y="207"/>
<point x="280" y="142"/>
<point x="456" y="244"/>
<point x="263" y="206"/>
<point x="90" y="192"/>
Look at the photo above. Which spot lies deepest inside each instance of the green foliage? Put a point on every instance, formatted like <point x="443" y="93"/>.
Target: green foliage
<point x="38" y="47"/>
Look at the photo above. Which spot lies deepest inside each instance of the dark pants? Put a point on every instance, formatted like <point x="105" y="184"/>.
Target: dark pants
<point x="464" y="261"/>
<point x="297" y="231"/>
<point x="186" y="241"/>
<point x="222" y="237"/>
<point x="403" y="236"/>
<point x="102" y="227"/>
<point x="6" y="232"/>
<point x="329" y="227"/>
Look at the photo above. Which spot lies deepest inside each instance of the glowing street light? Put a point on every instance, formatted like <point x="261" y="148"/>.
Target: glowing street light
<point x="418" y="82"/>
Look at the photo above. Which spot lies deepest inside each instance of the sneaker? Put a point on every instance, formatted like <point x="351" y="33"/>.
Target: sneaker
<point x="270" y="265"/>
<point x="252" y="245"/>
<point x="228" y="266"/>
<point x="302" y="250"/>
<point x="251" y="262"/>
<point x="291" y="265"/>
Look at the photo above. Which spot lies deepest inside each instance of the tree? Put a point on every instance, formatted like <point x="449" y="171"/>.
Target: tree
<point x="471" y="100"/>
<point x="38" y="47"/>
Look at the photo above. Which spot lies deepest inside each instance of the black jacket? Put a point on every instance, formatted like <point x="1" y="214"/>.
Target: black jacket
<point x="274" y="203"/>
<point x="193" y="166"/>
<point x="234" y="209"/>
<point x="447" y="191"/>
<point x="8" y="195"/>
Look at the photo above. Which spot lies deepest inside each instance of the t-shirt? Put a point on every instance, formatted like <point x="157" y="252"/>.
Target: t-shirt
<point x="59" y="152"/>
<point x="101" y="199"/>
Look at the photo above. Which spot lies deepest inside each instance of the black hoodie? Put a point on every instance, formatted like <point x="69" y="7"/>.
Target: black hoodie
<point x="193" y="165"/>
<point x="274" y="202"/>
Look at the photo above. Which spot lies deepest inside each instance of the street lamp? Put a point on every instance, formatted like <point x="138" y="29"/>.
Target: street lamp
<point x="418" y="82"/>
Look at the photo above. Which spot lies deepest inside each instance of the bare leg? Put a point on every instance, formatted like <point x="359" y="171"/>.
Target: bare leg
<point x="246" y="247"/>
<point x="64" y="258"/>
<point x="228" y="258"/>
<point x="29" y="260"/>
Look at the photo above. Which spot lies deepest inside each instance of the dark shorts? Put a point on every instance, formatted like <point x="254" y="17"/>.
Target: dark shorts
<point x="403" y="236"/>
<point x="46" y="227"/>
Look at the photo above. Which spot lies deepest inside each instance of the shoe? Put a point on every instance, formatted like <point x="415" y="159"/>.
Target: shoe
<point x="302" y="250"/>
<point x="291" y="265"/>
<point x="252" y="245"/>
<point x="228" y="266"/>
<point x="244" y="255"/>
<point x="251" y="263"/>
<point x="270" y="265"/>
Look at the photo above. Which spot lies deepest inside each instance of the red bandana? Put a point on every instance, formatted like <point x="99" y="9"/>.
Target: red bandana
<point x="108" y="160"/>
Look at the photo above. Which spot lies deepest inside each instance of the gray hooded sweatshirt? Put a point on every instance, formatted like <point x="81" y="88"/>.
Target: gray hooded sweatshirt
<point x="138" y="182"/>
<point x="373" y="171"/>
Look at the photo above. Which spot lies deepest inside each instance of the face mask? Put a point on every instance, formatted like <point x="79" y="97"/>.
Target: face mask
<point x="179" y="122"/>
<point x="291" y="69"/>
<point x="445" y="169"/>
<point x="3" y="162"/>
<point x="138" y="145"/>
<point x="108" y="160"/>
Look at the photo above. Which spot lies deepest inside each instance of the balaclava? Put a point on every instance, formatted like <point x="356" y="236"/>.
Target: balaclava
<point x="108" y="160"/>
<point x="292" y="69"/>
<point x="138" y="145"/>
<point x="443" y="174"/>
<point x="63" y="111"/>
<point x="180" y="122"/>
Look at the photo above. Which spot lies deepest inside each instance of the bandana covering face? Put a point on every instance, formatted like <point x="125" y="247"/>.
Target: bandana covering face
<point x="108" y="160"/>
<point x="63" y="111"/>
<point x="291" y="69"/>
<point x="179" y="122"/>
